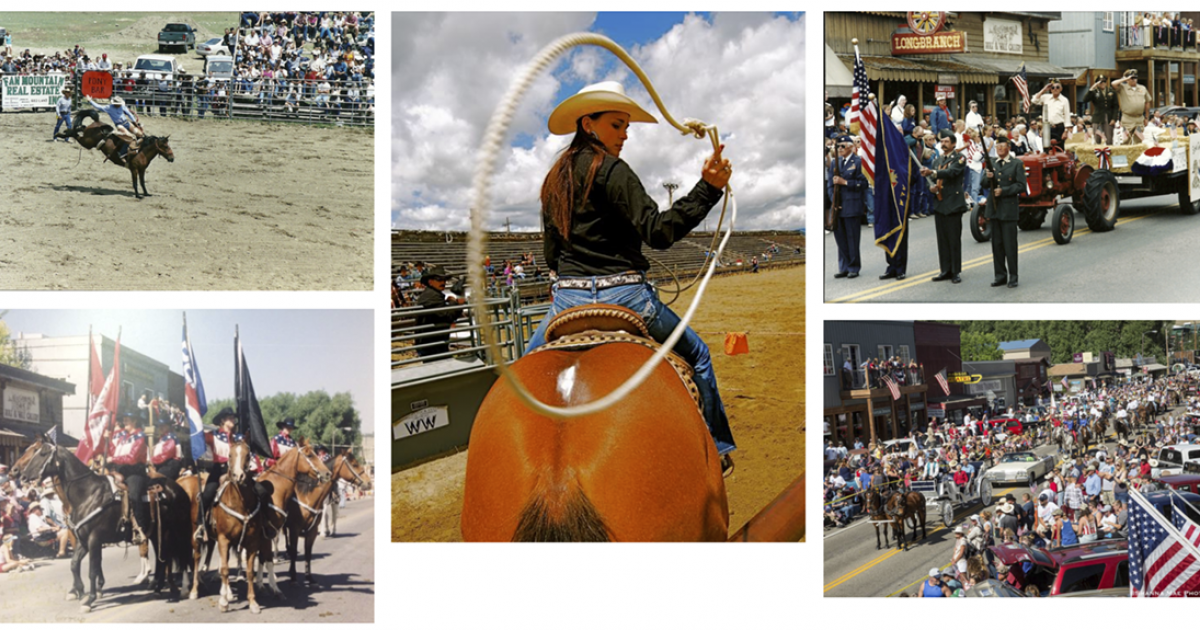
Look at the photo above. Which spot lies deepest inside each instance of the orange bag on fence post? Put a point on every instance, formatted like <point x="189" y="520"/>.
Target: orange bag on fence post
<point x="736" y="343"/>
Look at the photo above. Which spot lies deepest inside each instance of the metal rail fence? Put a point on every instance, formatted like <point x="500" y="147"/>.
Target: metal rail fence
<point x="340" y="103"/>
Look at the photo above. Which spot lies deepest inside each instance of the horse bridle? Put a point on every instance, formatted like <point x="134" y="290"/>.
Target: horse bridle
<point x="358" y="480"/>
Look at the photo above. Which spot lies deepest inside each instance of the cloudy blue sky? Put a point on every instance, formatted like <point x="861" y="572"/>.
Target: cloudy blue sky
<point x="741" y="71"/>
<point x="287" y="350"/>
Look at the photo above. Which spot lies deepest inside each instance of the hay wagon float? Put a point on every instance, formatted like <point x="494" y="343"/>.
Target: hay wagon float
<point x="1064" y="182"/>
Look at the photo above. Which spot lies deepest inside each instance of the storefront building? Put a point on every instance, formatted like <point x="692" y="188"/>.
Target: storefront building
<point x="31" y="404"/>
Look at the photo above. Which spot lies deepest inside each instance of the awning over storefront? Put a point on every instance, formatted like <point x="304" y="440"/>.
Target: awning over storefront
<point x="12" y="433"/>
<point x="1009" y="67"/>
<point x="838" y="78"/>
<point x="922" y="71"/>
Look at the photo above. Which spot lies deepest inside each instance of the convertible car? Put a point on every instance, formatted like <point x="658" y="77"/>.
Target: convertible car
<point x="1021" y="467"/>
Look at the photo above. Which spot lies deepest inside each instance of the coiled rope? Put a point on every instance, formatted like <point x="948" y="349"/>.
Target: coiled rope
<point x="488" y="153"/>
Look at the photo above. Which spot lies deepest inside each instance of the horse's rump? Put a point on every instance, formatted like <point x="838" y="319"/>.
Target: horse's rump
<point x="644" y="469"/>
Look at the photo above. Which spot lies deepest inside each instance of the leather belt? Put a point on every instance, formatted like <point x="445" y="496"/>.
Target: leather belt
<point x="602" y="282"/>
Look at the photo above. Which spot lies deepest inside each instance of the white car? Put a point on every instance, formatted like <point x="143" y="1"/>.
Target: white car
<point x="1020" y="467"/>
<point x="212" y="47"/>
<point x="157" y="66"/>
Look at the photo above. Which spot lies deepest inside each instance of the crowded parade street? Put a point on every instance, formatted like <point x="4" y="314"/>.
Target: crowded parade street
<point x="961" y="147"/>
<point x="1038" y="501"/>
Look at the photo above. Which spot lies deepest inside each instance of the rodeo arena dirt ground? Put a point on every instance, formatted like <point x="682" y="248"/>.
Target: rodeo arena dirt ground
<point x="245" y="205"/>
<point x="763" y="392"/>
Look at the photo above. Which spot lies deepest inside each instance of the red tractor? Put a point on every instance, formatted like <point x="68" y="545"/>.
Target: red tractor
<point x="1051" y="177"/>
<point x="1059" y="182"/>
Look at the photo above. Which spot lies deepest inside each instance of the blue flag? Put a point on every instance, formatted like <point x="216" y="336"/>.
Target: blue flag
<point x="896" y="181"/>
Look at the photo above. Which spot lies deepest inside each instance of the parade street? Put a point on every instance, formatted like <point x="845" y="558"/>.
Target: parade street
<point x="853" y="568"/>
<point x="343" y="566"/>
<point x="1138" y="261"/>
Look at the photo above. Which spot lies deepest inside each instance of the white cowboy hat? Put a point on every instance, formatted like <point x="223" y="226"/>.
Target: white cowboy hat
<point x="1007" y="508"/>
<point x="117" y="100"/>
<point x="606" y="96"/>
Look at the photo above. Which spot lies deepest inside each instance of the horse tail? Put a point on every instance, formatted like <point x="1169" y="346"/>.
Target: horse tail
<point x="575" y="521"/>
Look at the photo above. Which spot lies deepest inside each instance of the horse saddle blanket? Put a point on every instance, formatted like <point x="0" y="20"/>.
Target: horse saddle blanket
<point x="585" y="327"/>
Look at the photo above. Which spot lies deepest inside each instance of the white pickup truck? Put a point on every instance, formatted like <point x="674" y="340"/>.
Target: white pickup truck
<point x="155" y="66"/>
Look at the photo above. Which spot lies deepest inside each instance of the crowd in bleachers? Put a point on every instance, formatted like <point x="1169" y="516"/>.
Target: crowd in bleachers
<point x="287" y="62"/>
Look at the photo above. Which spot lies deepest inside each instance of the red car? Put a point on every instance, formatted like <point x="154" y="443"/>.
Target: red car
<point x="1186" y="482"/>
<point x="1087" y="567"/>
<point x="1007" y="424"/>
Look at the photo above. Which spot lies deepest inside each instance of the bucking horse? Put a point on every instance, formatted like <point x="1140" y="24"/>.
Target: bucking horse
<point x="98" y="135"/>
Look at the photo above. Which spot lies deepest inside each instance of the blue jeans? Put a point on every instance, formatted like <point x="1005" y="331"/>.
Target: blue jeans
<point x="660" y="321"/>
<point x="66" y="118"/>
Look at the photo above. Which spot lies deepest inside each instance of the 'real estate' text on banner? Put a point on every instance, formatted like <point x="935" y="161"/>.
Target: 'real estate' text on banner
<point x="26" y="91"/>
<point x="942" y="42"/>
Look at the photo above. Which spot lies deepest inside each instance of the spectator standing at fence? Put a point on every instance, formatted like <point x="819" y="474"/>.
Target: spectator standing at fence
<point x="323" y="91"/>
<point x="63" y="110"/>
<point x="433" y="297"/>
<point x="163" y="89"/>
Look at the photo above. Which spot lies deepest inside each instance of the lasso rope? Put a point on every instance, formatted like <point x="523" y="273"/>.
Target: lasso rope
<point x="489" y="151"/>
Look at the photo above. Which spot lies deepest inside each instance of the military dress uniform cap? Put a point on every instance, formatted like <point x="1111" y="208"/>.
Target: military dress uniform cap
<point x="1001" y="140"/>
<point x="845" y="140"/>
<point x="945" y="133"/>
<point x="1132" y="72"/>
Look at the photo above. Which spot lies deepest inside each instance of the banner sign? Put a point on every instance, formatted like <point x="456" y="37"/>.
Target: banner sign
<point x="943" y="90"/>
<point x="1002" y="36"/>
<point x="21" y="92"/>
<point x="21" y="404"/>
<point x="938" y="43"/>
<point x="421" y="421"/>
<point x="963" y="377"/>
<point x="97" y="84"/>
<point x="1078" y="357"/>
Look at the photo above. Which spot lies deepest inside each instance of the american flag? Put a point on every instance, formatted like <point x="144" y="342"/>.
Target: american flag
<point x="862" y="111"/>
<point x="1023" y="88"/>
<point x="195" y="406"/>
<point x="891" y="385"/>
<point x="1064" y="383"/>
<point x="1163" y="559"/>
<point x="940" y="377"/>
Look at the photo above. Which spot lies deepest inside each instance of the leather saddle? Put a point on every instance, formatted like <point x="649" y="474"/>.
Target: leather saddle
<point x="584" y="327"/>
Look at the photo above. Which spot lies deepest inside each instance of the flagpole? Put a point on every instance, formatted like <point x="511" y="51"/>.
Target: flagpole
<point x="87" y="406"/>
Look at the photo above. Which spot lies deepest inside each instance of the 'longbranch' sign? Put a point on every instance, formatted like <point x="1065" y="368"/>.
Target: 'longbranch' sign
<point x="914" y="44"/>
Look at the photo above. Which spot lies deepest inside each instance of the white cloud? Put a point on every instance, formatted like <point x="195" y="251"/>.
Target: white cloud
<point x="743" y="72"/>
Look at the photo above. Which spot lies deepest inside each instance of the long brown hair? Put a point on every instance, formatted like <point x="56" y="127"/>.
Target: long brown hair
<point x="558" y="189"/>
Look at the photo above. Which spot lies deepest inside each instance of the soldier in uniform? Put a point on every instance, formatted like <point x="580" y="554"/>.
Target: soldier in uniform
<point x="1008" y="182"/>
<point x="848" y="231"/>
<point x="948" y="169"/>
<point x="1105" y="109"/>
<point x="1134" y="102"/>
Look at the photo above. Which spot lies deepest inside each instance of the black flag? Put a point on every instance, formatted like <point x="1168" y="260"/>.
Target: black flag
<point x="250" y="420"/>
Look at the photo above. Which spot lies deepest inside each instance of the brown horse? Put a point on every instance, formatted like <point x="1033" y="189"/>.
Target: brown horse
<point x="101" y="136"/>
<point x="237" y="523"/>
<point x="298" y="467"/>
<point x="304" y="511"/>
<point x="902" y="507"/>
<point x="876" y="504"/>
<point x="645" y="469"/>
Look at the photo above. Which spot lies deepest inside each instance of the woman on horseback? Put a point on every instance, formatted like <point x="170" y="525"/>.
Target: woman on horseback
<point x="126" y="125"/>
<point x="127" y="456"/>
<point x="165" y="457"/>
<point x="596" y="215"/>
<point x="219" y="441"/>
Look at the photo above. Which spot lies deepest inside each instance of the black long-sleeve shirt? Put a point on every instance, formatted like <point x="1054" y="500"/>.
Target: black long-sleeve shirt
<point x="616" y="218"/>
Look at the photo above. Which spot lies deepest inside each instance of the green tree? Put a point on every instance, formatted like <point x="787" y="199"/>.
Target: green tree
<point x="321" y="418"/>
<point x="980" y="346"/>
<point x="10" y="354"/>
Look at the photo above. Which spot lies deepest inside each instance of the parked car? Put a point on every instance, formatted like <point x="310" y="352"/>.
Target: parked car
<point x="1171" y="459"/>
<point x="1008" y="423"/>
<point x="1184" y="482"/>
<point x="156" y="66"/>
<point x="1188" y="113"/>
<point x="1091" y="566"/>
<point x="219" y="67"/>
<point x="175" y="36"/>
<point x="212" y="47"/>
<point x="1021" y="467"/>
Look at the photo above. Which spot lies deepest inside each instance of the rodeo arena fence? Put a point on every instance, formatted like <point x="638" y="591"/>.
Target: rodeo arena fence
<point x="323" y="102"/>
<point x="435" y="397"/>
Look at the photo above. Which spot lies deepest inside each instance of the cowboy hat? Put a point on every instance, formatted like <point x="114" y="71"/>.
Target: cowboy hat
<point x="606" y="96"/>
<point x="286" y="422"/>
<point x="226" y="412"/>
<point x="436" y="271"/>
<point x="1007" y="508"/>
<point x="117" y="100"/>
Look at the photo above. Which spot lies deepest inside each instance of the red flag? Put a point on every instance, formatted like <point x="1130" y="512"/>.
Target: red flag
<point x="101" y="414"/>
<point x="97" y="372"/>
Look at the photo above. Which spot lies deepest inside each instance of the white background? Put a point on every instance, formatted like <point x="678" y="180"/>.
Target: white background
<point x="693" y="586"/>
